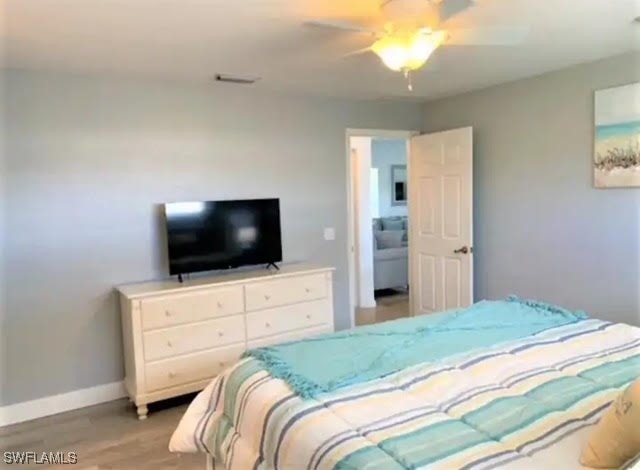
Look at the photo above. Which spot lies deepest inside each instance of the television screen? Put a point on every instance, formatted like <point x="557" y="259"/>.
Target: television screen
<point x="204" y="236"/>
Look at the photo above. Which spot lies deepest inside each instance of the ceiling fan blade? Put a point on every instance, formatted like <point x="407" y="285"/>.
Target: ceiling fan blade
<point x="340" y="25"/>
<point x="364" y="50"/>
<point x="450" y="8"/>
<point x="487" y="36"/>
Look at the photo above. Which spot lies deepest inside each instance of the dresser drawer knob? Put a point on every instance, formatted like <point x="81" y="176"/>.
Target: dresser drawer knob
<point x="267" y="324"/>
<point x="172" y="375"/>
<point x="308" y="317"/>
<point x="169" y="343"/>
<point x="307" y="290"/>
<point x="167" y="313"/>
<point x="267" y="297"/>
<point x="219" y="305"/>
<point x="221" y="333"/>
<point x="221" y="363"/>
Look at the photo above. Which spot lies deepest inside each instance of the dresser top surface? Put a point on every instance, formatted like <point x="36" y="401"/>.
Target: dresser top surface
<point x="143" y="289"/>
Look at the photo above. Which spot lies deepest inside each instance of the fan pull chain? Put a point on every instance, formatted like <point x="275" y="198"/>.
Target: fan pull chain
<point x="407" y="76"/>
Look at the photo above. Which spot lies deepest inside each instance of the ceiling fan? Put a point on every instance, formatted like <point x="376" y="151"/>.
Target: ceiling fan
<point x="414" y="29"/>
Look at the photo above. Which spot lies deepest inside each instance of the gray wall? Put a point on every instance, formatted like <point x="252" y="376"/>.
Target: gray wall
<point x="384" y="153"/>
<point x="89" y="159"/>
<point x="541" y="229"/>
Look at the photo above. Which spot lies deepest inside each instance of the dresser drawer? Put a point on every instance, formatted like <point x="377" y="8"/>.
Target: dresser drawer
<point x="176" y="340"/>
<point x="190" y="368"/>
<point x="291" y="317"/>
<point x="285" y="291"/>
<point x="191" y="307"/>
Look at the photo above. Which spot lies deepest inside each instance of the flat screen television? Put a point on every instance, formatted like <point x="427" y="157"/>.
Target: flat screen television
<point x="210" y="235"/>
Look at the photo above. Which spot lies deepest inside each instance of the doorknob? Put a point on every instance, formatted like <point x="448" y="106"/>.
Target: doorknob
<point x="464" y="250"/>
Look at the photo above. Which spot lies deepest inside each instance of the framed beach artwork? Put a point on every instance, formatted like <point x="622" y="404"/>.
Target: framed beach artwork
<point x="616" y="160"/>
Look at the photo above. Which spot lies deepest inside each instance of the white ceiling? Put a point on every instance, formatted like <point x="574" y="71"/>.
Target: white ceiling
<point x="191" y="40"/>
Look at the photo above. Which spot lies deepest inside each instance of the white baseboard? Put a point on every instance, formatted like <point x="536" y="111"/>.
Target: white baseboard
<point x="32" y="409"/>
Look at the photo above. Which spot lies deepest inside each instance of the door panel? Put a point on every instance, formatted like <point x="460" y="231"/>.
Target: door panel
<point x="427" y="274"/>
<point x="451" y="276"/>
<point x="451" y="196"/>
<point x="428" y="190"/>
<point x="441" y="221"/>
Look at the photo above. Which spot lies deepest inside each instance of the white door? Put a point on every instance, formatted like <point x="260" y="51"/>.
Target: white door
<point x="441" y="221"/>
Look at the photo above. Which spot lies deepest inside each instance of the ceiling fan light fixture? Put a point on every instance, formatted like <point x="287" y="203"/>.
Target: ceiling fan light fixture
<point x="407" y="53"/>
<point x="392" y="52"/>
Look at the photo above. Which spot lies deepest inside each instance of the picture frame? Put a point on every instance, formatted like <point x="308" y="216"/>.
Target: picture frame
<point x="616" y="155"/>
<point x="398" y="185"/>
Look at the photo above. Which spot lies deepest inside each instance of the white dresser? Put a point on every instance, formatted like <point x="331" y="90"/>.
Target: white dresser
<point x="177" y="337"/>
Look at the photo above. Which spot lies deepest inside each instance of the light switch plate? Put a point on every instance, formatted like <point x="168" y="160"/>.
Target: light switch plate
<point x="329" y="233"/>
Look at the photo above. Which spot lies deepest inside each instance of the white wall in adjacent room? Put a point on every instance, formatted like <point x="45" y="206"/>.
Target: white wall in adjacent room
<point x="388" y="152"/>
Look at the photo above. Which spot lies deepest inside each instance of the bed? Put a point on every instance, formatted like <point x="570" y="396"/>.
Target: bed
<point x="507" y="384"/>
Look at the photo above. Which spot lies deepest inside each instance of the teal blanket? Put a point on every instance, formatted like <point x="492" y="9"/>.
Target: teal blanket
<point x="327" y="363"/>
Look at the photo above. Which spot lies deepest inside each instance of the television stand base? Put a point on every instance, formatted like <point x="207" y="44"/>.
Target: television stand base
<point x="180" y="278"/>
<point x="274" y="265"/>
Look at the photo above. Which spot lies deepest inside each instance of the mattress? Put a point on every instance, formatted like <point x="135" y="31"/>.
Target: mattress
<point x="527" y="403"/>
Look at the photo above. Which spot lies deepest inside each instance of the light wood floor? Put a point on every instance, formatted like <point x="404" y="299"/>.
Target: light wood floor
<point x="107" y="436"/>
<point x="389" y="307"/>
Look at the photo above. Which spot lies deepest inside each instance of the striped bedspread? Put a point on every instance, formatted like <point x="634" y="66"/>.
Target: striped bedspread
<point x="496" y="407"/>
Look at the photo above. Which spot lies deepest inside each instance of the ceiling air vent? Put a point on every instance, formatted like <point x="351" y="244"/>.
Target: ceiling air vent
<point x="236" y="79"/>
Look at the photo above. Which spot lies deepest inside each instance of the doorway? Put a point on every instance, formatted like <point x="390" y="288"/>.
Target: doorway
<point x="425" y="204"/>
<point x="378" y="224"/>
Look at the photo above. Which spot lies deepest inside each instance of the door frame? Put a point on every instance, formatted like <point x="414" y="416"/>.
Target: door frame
<point x="351" y="236"/>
